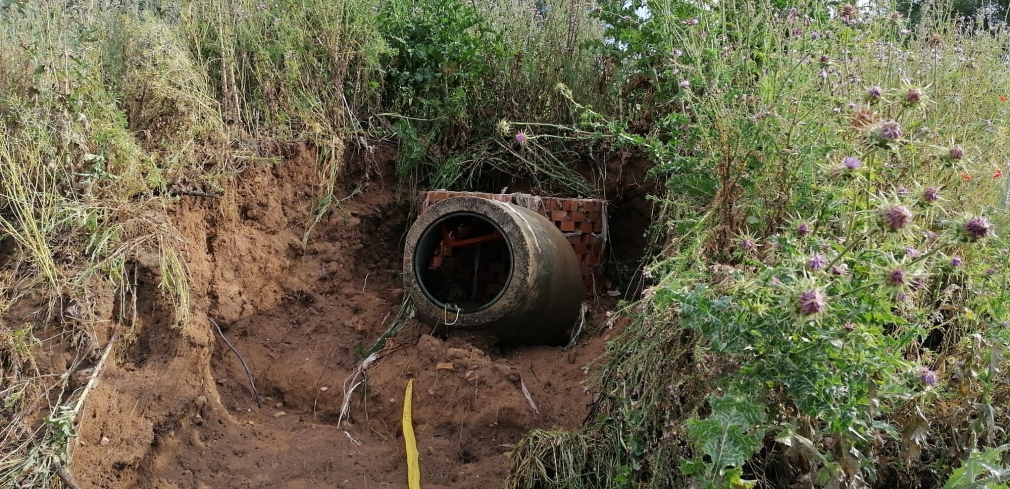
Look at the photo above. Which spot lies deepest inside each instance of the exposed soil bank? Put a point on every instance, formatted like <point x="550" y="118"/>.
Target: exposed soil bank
<point x="175" y="409"/>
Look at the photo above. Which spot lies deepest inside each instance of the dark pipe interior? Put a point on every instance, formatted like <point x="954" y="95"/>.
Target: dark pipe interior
<point x="469" y="277"/>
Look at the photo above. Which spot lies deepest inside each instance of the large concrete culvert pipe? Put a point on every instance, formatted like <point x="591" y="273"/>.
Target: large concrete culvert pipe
<point x="473" y="263"/>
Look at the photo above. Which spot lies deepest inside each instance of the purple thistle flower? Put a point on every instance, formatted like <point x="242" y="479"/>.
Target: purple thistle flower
<point x="849" y="327"/>
<point x="521" y="137"/>
<point x="896" y="277"/>
<point x="931" y="194"/>
<point x="902" y="191"/>
<point x="990" y="271"/>
<point x="911" y="252"/>
<point x="840" y="269"/>
<point x="815" y="35"/>
<point x="901" y="297"/>
<point x="928" y="377"/>
<point x="874" y="93"/>
<point x="896" y="217"/>
<point x="917" y="283"/>
<point x="684" y="84"/>
<point x="976" y="228"/>
<point x="913" y="96"/>
<point x="956" y="153"/>
<point x="956" y="261"/>
<point x="810" y="302"/>
<point x="890" y="129"/>
<point x="803" y="229"/>
<point x="747" y="244"/>
<point x="817" y="262"/>
<point x="852" y="162"/>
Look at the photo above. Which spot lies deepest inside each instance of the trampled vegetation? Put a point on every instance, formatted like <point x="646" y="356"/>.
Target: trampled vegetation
<point x="826" y="302"/>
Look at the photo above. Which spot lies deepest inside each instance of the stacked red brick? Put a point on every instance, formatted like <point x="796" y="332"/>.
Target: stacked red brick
<point x="582" y="221"/>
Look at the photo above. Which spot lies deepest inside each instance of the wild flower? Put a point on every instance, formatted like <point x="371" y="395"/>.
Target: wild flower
<point x="911" y="252"/>
<point x="852" y="162"/>
<point x="930" y="194"/>
<point x="521" y="137"/>
<point x="849" y="327"/>
<point x="747" y="244"/>
<point x="684" y="84"/>
<point x="803" y="229"/>
<point x="956" y="153"/>
<point x="817" y="262"/>
<point x="840" y="269"/>
<point x="810" y="302"/>
<point x="896" y="277"/>
<point x="890" y="130"/>
<point x="976" y="228"/>
<point x="874" y="93"/>
<point x="956" y="261"/>
<point x="913" y="96"/>
<point x="928" y="377"/>
<point x="902" y="191"/>
<point x="896" y="217"/>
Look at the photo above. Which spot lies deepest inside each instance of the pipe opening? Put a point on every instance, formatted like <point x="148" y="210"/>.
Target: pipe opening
<point x="463" y="262"/>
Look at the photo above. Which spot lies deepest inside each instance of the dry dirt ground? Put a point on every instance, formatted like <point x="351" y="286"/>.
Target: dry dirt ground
<point x="174" y="409"/>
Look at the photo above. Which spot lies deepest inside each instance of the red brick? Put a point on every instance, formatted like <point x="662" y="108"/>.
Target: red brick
<point x="578" y="216"/>
<point x="588" y="206"/>
<point x="586" y="227"/>
<point x="592" y="259"/>
<point x="574" y="240"/>
<point x="567" y="226"/>
<point x="559" y="216"/>
<point x="580" y="249"/>
<point x="598" y="227"/>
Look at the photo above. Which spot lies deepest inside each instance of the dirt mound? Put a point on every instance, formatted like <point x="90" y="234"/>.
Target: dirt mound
<point x="176" y="409"/>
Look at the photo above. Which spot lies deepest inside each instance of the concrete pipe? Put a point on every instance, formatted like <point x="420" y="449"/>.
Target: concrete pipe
<point x="473" y="263"/>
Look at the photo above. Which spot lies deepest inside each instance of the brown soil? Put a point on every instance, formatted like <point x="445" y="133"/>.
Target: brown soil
<point x="174" y="407"/>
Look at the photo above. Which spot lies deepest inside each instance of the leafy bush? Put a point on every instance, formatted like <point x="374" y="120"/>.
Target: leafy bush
<point x="834" y="183"/>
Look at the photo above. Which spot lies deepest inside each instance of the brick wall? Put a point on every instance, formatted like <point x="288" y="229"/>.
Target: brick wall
<point x="582" y="221"/>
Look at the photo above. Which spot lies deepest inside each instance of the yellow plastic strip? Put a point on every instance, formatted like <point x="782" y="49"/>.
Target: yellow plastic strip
<point x="413" y="467"/>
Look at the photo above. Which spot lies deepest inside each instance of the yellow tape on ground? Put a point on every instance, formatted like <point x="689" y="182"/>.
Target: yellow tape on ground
<point x="413" y="468"/>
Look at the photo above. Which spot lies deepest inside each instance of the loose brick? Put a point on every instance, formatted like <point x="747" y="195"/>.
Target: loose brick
<point x="567" y="226"/>
<point x="559" y="216"/>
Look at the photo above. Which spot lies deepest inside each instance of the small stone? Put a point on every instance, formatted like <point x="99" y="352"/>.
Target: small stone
<point x="279" y="405"/>
<point x="444" y="366"/>
<point x="279" y="414"/>
<point x="201" y="401"/>
<point x="572" y="357"/>
<point x="251" y="423"/>
<point x="324" y="389"/>
<point x="105" y="441"/>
